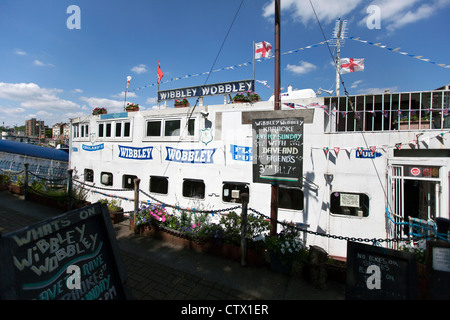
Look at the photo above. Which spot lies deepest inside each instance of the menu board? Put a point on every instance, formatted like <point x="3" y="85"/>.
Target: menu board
<point x="73" y="256"/>
<point x="278" y="151"/>
<point x="380" y="273"/>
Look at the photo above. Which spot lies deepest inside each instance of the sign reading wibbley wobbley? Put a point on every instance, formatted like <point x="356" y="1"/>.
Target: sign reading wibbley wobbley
<point x="207" y="90"/>
<point x="278" y="151"/>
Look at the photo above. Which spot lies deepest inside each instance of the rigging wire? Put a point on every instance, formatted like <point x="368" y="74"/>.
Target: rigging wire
<point x="351" y="103"/>
<point x="209" y="73"/>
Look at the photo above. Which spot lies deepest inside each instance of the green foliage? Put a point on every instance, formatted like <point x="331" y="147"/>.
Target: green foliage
<point x="5" y="179"/>
<point x="287" y="245"/>
<point x="113" y="204"/>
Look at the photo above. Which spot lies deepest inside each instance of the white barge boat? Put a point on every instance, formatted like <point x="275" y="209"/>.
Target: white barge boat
<point x="367" y="165"/>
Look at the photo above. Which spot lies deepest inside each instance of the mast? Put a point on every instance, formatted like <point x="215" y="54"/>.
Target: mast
<point x="338" y="36"/>
<point x="274" y="186"/>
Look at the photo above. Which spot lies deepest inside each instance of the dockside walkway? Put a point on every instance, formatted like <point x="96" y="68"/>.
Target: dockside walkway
<point x="157" y="270"/>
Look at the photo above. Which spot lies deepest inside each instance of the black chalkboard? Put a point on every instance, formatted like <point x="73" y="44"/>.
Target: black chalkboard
<point x="379" y="273"/>
<point x="438" y="264"/>
<point x="278" y="151"/>
<point x="73" y="256"/>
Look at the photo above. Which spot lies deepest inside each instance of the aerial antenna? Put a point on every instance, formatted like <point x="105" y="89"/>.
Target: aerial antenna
<point x="338" y="39"/>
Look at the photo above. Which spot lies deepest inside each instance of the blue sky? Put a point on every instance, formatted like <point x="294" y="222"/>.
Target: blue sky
<point x="53" y="73"/>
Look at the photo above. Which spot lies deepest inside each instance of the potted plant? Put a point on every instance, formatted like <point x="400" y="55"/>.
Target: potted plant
<point x="99" y="110"/>
<point x="18" y="186"/>
<point x="244" y="97"/>
<point x="114" y="208"/>
<point x="5" y="182"/>
<point x="286" y="251"/>
<point x="412" y="122"/>
<point x="181" y="103"/>
<point x="132" y="107"/>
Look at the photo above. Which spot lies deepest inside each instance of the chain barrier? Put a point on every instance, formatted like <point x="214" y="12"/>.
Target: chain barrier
<point x="375" y="241"/>
<point x="46" y="179"/>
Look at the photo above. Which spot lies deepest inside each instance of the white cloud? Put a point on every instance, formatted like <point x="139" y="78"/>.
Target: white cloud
<point x="301" y="10"/>
<point x="78" y="91"/>
<point x="108" y="104"/>
<point x="20" y="52"/>
<point x="42" y="64"/>
<point x="397" y="14"/>
<point x="302" y="68"/>
<point x="32" y="96"/>
<point x="356" y="84"/>
<point x="377" y="90"/>
<point x="142" y="68"/>
<point x="122" y="95"/>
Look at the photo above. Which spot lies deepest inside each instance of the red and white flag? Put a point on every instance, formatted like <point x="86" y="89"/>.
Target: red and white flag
<point x="263" y="50"/>
<point x="351" y="65"/>
<point x="160" y="73"/>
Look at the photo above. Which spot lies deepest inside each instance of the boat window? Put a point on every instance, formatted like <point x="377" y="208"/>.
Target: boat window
<point x="153" y="128"/>
<point x="118" y="129"/>
<point x="231" y="191"/>
<point x="108" y="130"/>
<point x="106" y="178"/>
<point x="100" y="129"/>
<point x="128" y="181"/>
<point x="127" y="129"/>
<point x="159" y="184"/>
<point x="290" y="198"/>
<point x="349" y="204"/>
<point x="88" y="175"/>
<point x="191" y="127"/>
<point x="75" y="130"/>
<point x="194" y="188"/>
<point x="172" y="128"/>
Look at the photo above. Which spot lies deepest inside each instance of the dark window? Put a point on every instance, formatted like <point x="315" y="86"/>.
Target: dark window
<point x="126" y="131"/>
<point x="100" y="129"/>
<point x="159" y="184"/>
<point x="349" y="204"/>
<point x="128" y="181"/>
<point x="108" y="130"/>
<point x="172" y="128"/>
<point x="290" y="198"/>
<point x="118" y="129"/>
<point x="106" y="178"/>
<point x="88" y="175"/>
<point x="191" y="127"/>
<point x="194" y="189"/>
<point x="231" y="191"/>
<point x="153" y="128"/>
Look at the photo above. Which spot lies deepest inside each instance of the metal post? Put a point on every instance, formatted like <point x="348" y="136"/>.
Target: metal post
<point x="274" y="187"/>
<point x="244" y="198"/>
<point x="136" y="201"/>
<point x="69" y="188"/>
<point x="26" y="197"/>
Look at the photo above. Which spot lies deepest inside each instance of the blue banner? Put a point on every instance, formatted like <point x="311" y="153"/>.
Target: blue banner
<point x="144" y="153"/>
<point x="93" y="148"/>
<point x="190" y="155"/>
<point x="241" y="153"/>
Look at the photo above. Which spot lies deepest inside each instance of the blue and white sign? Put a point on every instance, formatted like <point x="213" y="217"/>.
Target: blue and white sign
<point x="93" y="147"/>
<point x="190" y="155"/>
<point x="241" y="153"/>
<point x="144" y="153"/>
<point x="367" y="154"/>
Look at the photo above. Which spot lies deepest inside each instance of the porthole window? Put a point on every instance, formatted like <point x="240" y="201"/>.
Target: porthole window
<point x="349" y="204"/>
<point x="290" y="198"/>
<point x="159" y="184"/>
<point x="232" y="191"/>
<point x="194" y="188"/>
<point x="106" y="178"/>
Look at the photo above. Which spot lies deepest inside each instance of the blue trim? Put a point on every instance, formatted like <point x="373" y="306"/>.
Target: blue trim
<point x="33" y="151"/>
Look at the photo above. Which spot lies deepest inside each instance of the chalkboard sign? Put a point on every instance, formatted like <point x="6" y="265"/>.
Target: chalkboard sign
<point x="73" y="256"/>
<point x="278" y="151"/>
<point x="438" y="263"/>
<point x="380" y="273"/>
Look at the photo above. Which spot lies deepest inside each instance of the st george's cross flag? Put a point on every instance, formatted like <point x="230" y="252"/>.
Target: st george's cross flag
<point x="351" y="65"/>
<point x="160" y="73"/>
<point x="263" y="50"/>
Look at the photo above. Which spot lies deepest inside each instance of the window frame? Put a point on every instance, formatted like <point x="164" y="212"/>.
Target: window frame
<point x="282" y="189"/>
<point x="190" y="195"/>
<point x="107" y="173"/>
<point x="237" y="186"/>
<point x="362" y="202"/>
<point x="159" y="184"/>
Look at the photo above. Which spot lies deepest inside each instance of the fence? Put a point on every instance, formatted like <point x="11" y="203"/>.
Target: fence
<point x="419" y="229"/>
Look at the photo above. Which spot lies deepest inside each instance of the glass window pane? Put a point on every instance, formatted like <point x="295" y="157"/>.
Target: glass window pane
<point x="153" y="128"/>
<point x="172" y="128"/>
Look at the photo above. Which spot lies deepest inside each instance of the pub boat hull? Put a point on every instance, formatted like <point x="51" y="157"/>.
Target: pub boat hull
<point x="363" y="174"/>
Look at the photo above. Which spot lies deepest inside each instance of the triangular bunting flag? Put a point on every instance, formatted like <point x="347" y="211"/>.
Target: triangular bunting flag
<point x="325" y="149"/>
<point x="398" y="146"/>
<point x="373" y="149"/>
<point x="336" y="150"/>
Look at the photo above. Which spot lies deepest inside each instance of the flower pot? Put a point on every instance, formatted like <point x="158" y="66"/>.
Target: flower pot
<point x="116" y="215"/>
<point x="424" y="124"/>
<point x="17" y="189"/>
<point x="132" y="109"/>
<point x="181" y="105"/>
<point x="277" y="265"/>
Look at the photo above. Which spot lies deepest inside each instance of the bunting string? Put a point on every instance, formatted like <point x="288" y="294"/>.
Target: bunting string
<point x="397" y="50"/>
<point x="249" y="63"/>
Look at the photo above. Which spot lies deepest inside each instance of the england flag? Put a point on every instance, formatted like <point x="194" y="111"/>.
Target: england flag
<point x="351" y="65"/>
<point x="263" y="50"/>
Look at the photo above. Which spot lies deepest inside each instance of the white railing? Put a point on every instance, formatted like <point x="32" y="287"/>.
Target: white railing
<point x="424" y="110"/>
